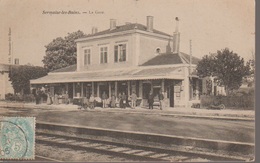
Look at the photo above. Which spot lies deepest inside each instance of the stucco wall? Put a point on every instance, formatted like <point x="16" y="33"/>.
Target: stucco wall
<point x="110" y="42"/>
<point x="148" y="46"/>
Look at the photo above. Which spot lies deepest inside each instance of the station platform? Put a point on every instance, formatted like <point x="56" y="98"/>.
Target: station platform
<point x="167" y="111"/>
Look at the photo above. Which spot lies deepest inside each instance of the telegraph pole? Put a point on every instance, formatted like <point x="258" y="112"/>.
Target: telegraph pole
<point x="190" y="55"/>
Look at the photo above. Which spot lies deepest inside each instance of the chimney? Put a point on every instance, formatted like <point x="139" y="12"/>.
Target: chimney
<point x="149" y="23"/>
<point x="16" y="61"/>
<point x="112" y="24"/>
<point x="176" y="38"/>
<point x="94" y="30"/>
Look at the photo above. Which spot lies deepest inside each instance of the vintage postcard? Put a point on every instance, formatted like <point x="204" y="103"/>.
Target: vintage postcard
<point x="127" y="80"/>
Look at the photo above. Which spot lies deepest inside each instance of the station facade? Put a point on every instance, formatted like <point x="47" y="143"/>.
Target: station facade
<point x="127" y="58"/>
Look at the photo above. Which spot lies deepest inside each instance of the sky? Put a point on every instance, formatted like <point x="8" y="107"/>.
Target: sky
<point x="211" y="24"/>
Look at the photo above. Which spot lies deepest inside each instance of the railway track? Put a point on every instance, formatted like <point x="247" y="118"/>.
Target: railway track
<point x="126" y="150"/>
<point x="43" y="158"/>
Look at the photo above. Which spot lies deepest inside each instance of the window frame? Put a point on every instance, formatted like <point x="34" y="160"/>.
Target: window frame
<point x="103" y="46"/>
<point x="118" y="52"/>
<point x="90" y="58"/>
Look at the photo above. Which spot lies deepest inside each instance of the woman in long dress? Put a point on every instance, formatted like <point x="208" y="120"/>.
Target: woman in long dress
<point x="48" y="98"/>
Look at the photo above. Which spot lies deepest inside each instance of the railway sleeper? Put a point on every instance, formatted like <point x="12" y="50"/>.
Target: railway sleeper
<point x="127" y="150"/>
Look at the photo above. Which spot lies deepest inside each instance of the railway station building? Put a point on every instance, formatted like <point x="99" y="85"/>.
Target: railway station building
<point x="127" y="58"/>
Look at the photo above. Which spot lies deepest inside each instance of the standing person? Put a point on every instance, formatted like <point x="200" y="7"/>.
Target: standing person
<point x="120" y="100"/>
<point x="104" y="98"/>
<point x="91" y="102"/>
<point x="113" y="101"/>
<point x="66" y="98"/>
<point x="49" y="101"/>
<point x="150" y="100"/>
<point x="123" y="100"/>
<point x="161" y="97"/>
<point x="133" y="100"/>
<point x="56" y="99"/>
<point x="37" y="96"/>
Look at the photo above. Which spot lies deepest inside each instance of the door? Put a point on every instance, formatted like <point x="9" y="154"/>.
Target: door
<point x="146" y="90"/>
<point x="70" y="90"/>
<point x="171" y="95"/>
<point x="103" y="88"/>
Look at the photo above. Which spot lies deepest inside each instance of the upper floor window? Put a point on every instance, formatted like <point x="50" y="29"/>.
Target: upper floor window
<point x="103" y="54"/>
<point x="87" y="54"/>
<point x="120" y="53"/>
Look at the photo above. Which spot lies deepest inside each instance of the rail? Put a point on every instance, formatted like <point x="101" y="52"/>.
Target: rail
<point x="141" y="146"/>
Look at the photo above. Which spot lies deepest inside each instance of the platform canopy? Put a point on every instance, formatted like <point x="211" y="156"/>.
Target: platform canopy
<point x="112" y="75"/>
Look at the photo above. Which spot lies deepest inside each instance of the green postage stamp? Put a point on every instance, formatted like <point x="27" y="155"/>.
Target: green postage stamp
<point x="17" y="138"/>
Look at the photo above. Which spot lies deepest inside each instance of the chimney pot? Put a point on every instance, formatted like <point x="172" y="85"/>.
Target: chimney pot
<point x="94" y="30"/>
<point x="149" y="23"/>
<point x="112" y="24"/>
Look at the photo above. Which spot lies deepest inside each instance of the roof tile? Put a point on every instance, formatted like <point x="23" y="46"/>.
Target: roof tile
<point x="70" y="68"/>
<point x="125" y="28"/>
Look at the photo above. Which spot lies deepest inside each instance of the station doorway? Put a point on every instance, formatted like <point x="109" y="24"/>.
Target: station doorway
<point x="103" y="87"/>
<point x="122" y="87"/>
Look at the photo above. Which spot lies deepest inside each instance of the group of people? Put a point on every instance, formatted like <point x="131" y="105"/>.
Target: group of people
<point x="42" y="95"/>
<point x="55" y="99"/>
<point x="151" y="100"/>
<point x="39" y="95"/>
<point x="121" y="100"/>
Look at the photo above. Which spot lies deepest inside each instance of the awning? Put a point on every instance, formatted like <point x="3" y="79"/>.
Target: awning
<point x="112" y="75"/>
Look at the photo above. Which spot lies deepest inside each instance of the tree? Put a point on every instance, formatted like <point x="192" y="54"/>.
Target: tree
<point x="250" y="79"/>
<point x="227" y="68"/>
<point x="20" y="76"/>
<point x="61" y="52"/>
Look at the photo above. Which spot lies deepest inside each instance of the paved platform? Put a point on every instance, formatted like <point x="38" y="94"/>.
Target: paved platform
<point x="227" y="125"/>
<point x="179" y="111"/>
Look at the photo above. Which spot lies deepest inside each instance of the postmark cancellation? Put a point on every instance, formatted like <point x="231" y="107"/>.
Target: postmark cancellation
<point x="17" y="138"/>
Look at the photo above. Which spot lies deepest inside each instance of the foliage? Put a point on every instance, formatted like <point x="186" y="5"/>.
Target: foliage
<point x="227" y="68"/>
<point x="61" y="52"/>
<point x="20" y="98"/>
<point x="21" y="75"/>
<point x="235" y="101"/>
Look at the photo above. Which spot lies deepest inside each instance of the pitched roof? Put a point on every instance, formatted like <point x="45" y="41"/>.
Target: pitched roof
<point x="164" y="59"/>
<point x="170" y="58"/>
<point x="126" y="27"/>
<point x="194" y="60"/>
<point x="137" y="73"/>
<point x="70" y="68"/>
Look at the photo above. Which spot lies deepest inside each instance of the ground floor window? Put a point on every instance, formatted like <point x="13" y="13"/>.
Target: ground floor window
<point x="70" y="90"/>
<point x="87" y="89"/>
<point x="78" y="89"/>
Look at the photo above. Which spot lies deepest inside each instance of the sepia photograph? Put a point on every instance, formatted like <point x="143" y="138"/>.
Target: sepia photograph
<point x="127" y="80"/>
